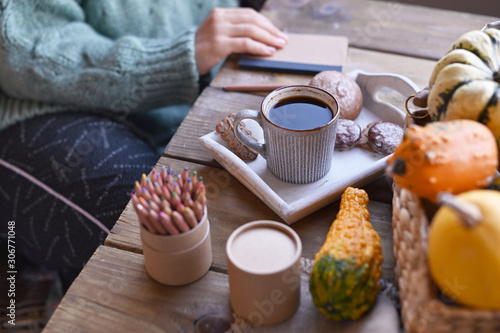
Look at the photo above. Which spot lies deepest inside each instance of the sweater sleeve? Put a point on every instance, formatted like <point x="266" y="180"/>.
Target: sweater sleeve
<point x="49" y="54"/>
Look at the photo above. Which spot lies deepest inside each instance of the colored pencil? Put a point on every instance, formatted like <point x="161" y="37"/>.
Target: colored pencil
<point x="168" y="207"/>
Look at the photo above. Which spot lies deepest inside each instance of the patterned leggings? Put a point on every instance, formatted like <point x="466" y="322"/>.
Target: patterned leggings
<point x="64" y="180"/>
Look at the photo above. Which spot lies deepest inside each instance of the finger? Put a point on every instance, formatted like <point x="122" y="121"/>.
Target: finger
<point x="248" y="15"/>
<point x="256" y="33"/>
<point x="249" y="45"/>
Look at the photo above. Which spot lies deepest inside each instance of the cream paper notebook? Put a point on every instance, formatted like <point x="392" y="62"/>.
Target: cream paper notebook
<point x="303" y="54"/>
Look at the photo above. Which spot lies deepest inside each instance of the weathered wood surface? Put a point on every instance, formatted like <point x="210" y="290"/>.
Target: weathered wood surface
<point x="387" y="26"/>
<point x="114" y="293"/>
<point x="210" y="108"/>
<point x="230" y="205"/>
<point x="417" y="70"/>
<point x="214" y="104"/>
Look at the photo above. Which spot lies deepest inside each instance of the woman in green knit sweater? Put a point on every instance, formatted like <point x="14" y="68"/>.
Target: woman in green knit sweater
<point x="89" y="91"/>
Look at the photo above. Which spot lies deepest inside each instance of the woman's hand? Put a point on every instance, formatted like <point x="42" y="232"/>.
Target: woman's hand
<point x="235" y="30"/>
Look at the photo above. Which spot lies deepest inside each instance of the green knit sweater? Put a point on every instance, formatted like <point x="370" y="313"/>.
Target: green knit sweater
<point x="120" y="55"/>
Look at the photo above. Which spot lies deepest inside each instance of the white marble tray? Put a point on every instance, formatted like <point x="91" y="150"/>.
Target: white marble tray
<point x="355" y="167"/>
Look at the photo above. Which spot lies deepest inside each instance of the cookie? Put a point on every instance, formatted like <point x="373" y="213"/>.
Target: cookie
<point x="345" y="90"/>
<point x="348" y="134"/>
<point x="226" y="129"/>
<point x="384" y="136"/>
<point x="363" y="141"/>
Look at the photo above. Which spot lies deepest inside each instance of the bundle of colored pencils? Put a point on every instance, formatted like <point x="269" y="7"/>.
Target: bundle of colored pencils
<point x="168" y="206"/>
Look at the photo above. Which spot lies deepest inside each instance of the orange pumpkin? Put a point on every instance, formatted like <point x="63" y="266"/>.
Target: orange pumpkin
<point x="451" y="156"/>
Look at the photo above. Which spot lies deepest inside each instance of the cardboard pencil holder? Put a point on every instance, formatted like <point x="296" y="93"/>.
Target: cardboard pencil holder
<point x="178" y="259"/>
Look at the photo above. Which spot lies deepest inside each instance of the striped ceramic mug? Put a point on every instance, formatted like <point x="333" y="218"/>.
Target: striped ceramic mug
<point x="299" y="124"/>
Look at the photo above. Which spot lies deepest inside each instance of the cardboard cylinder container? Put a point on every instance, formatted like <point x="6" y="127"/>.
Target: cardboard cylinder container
<point x="264" y="272"/>
<point x="178" y="259"/>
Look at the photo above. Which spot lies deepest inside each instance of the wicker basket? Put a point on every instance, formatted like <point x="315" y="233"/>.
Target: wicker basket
<point x="422" y="306"/>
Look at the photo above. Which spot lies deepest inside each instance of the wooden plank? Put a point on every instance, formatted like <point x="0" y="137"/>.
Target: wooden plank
<point x="388" y="26"/>
<point x="417" y="70"/>
<point x="483" y="7"/>
<point x="229" y="74"/>
<point x="114" y="293"/>
<point x="214" y="104"/>
<point x="230" y="205"/>
<point x="210" y="108"/>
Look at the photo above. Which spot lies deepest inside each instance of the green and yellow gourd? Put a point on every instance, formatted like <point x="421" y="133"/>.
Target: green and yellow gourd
<point x="345" y="273"/>
<point x="465" y="83"/>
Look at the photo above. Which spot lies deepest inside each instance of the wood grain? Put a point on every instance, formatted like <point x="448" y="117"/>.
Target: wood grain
<point x="230" y="205"/>
<point x="387" y="26"/>
<point x="417" y="70"/>
<point x="114" y="293"/>
<point x="214" y="104"/>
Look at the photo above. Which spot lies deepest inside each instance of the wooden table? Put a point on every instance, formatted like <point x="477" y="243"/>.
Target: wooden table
<point x="114" y="293"/>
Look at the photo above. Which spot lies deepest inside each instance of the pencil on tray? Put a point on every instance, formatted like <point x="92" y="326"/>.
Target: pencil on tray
<point x="253" y="88"/>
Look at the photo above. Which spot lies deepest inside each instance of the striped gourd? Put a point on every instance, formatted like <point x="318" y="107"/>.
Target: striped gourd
<point x="465" y="83"/>
<point x="345" y="273"/>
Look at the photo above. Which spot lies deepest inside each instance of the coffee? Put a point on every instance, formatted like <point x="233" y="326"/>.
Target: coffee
<point x="300" y="113"/>
<point x="299" y="123"/>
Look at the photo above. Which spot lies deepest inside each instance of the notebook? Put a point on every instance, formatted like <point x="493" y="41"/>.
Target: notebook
<point x="303" y="54"/>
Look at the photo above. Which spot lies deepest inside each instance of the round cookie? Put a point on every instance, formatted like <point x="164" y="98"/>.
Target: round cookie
<point x="348" y="134"/>
<point x="384" y="136"/>
<point x="344" y="89"/>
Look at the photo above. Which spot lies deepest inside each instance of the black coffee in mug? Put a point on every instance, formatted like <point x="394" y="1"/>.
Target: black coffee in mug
<point x="301" y="155"/>
<point x="300" y="113"/>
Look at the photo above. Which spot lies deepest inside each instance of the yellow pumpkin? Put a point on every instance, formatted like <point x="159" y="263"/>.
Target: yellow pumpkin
<point x="465" y="83"/>
<point x="464" y="259"/>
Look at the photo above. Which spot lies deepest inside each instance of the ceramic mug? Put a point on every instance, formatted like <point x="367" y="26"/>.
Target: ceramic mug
<point x="294" y="152"/>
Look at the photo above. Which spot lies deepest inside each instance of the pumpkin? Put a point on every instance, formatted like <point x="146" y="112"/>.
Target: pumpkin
<point x="463" y="248"/>
<point x="345" y="273"/>
<point x="446" y="156"/>
<point x="465" y="83"/>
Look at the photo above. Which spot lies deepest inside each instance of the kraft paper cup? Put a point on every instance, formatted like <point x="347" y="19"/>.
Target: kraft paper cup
<point x="264" y="272"/>
<point x="180" y="259"/>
